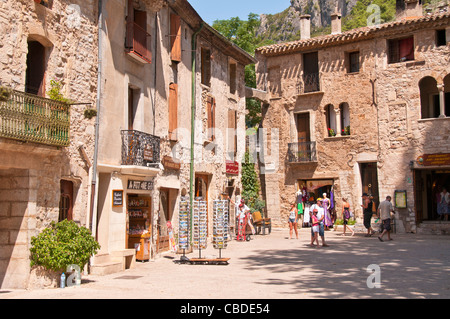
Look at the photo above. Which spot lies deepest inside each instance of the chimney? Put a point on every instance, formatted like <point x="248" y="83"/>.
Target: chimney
<point x="305" y="27"/>
<point x="336" y="23"/>
<point x="408" y="9"/>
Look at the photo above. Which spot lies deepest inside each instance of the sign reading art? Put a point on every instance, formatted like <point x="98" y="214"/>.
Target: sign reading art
<point x="434" y="159"/>
<point x="140" y="185"/>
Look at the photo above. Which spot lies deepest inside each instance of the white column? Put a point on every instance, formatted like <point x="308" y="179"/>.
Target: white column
<point x="441" y="100"/>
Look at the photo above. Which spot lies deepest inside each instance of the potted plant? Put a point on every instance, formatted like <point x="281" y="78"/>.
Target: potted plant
<point x="331" y="132"/>
<point x="62" y="246"/>
<point x="5" y="94"/>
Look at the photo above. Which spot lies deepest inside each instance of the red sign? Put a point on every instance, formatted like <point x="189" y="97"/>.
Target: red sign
<point x="232" y="168"/>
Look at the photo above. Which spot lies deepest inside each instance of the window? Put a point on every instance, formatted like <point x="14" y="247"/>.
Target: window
<point x="173" y="111"/>
<point x="331" y="120"/>
<point x="137" y="41"/>
<point x="211" y="114"/>
<point x="133" y="99"/>
<point x="353" y="62"/>
<point x="206" y="66"/>
<point x="66" y="201"/>
<point x="345" y="118"/>
<point x="401" y="50"/>
<point x="311" y="72"/>
<point x="45" y="3"/>
<point x="441" y="38"/>
<point x="36" y="67"/>
<point x="232" y="74"/>
<point x="232" y="136"/>
<point x="175" y="37"/>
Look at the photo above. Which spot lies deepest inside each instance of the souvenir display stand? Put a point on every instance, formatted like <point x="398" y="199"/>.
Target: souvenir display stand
<point x="139" y="225"/>
<point x="200" y="229"/>
<point x="183" y="232"/>
<point x="220" y="225"/>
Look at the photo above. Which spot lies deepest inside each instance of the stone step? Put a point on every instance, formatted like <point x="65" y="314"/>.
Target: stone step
<point x="106" y="268"/>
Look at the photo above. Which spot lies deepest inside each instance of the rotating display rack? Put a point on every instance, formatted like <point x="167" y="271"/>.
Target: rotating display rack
<point x="220" y="225"/>
<point x="183" y="233"/>
<point x="200" y="226"/>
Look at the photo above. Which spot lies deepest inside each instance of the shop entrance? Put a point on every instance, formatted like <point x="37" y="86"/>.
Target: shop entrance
<point x="428" y="185"/>
<point x="369" y="181"/>
<point x="167" y="199"/>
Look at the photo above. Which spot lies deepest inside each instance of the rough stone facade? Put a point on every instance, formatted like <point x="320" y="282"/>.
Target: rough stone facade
<point x="31" y="173"/>
<point x="387" y="126"/>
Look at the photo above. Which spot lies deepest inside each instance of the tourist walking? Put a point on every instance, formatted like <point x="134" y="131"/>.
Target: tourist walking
<point x="443" y="206"/>
<point x="315" y="229"/>
<point x="367" y="214"/>
<point x="326" y="204"/>
<point x="384" y="213"/>
<point x="346" y="216"/>
<point x="320" y="217"/>
<point x="293" y="216"/>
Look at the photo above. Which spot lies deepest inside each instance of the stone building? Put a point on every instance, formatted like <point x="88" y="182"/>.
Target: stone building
<point x="362" y="111"/>
<point x="46" y="147"/>
<point x="160" y="61"/>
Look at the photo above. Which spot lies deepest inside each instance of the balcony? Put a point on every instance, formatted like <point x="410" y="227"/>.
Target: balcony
<point x="138" y="43"/>
<point x="140" y="149"/>
<point x="30" y="118"/>
<point x="311" y="83"/>
<point x="304" y="152"/>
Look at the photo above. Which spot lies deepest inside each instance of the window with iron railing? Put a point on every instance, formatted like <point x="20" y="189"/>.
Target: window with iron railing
<point x="302" y="152"/>
<point x="140" y="149"/>
<point x="138" y="40"/>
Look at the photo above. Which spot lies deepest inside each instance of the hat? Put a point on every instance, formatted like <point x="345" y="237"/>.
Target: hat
<point x="319" y="199"/>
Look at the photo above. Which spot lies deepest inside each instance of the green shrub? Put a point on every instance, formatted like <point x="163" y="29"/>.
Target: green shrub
<point x="62" y="244"/>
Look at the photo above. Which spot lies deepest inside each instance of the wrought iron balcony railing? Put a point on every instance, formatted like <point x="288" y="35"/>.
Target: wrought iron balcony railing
<point x="311" y="83"/>
<point x="138" y="42"/>
<point x="140" y="149"/>
<point x="302" y="152"/>
<point x="31" y="118"/>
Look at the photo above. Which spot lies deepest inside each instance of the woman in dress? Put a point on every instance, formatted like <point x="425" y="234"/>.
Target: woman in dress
<point x="346" y="215"/>
<point x="326" y="210"/>
<point x="293" y="220"/>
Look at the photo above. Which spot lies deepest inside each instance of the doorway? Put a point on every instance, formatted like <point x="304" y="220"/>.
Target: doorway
<point x="167" y="202"/>
<point x="369" y="180"/>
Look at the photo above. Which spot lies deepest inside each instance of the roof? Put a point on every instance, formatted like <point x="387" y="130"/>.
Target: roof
<point x="360" y="34"/>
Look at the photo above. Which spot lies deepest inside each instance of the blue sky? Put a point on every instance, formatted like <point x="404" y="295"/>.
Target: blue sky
<point x="211" y="10"/>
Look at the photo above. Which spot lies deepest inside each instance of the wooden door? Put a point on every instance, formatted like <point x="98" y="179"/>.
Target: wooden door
<point x="66" y="201"/>
<point x="303" y="128"/>
<point x="164" y="216"/>
<point x="173" y="111"/>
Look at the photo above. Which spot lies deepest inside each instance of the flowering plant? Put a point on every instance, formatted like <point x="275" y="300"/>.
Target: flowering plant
<point x="331" y="132"/>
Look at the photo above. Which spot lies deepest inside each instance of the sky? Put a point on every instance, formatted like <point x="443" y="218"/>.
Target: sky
<point x="211" y="10"/>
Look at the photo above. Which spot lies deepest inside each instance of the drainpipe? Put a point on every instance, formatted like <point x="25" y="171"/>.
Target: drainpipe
<point x="191" y="180"/>
<point x="97" y="118"/>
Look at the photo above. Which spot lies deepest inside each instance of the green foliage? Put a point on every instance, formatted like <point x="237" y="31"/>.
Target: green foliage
<point x="358" y="16"/>
<point x="5" y="93"/>
<point x="250" y="183"/>
<point x="55" y="92"/>
<point x="62" y="244"/>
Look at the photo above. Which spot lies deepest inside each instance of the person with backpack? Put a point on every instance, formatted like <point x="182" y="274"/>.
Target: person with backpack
<point x="346" y="215"/>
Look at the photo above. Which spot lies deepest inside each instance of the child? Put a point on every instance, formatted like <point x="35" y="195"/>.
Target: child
<point x="315" y="228"/>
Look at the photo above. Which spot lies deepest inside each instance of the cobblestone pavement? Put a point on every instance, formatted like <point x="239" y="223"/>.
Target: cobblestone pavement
<point x="275" y="267"/>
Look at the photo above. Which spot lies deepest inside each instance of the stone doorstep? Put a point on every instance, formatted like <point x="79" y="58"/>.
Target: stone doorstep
<point x="106" y="268"/>
<point x="116" y="261"/>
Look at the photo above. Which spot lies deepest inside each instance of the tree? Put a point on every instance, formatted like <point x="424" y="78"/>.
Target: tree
<point x="250" y="182"/>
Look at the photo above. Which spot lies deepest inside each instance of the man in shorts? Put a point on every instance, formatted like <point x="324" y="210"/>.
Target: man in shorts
<point x="320" y="217"/>
<point x="384" y="212"/>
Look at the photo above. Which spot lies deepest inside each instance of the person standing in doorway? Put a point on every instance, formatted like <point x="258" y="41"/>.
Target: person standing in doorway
<point x="293" y="221"/>
<point x="326" y="204"/>
<point x="443" y="204"/>
<point x="384" y="212"/>
<point x="367" y="213"/>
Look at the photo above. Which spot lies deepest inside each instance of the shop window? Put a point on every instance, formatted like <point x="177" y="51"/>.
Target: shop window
<point x="353" y="62"/>
<point x="66" y="201"/>
<point x="175" y="37"/>
<point x="173" y="111"/>
<point x="401" y="50"/>
<point x="36" y="67"/>
<point x="206" y="66"/>
<point x="441" y="38"/>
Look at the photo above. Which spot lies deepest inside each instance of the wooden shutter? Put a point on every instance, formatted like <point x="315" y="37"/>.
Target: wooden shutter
<point x="130" y="26"/>
<point x="232" y="136"/>
<point x="173" y="110"/>
<point x="175" y="37"/>
<point x="206" y="66"/>
<point x="211" y="105"/>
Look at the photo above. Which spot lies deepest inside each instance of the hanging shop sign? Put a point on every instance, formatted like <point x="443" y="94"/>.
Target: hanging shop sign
<point x="169" y="163"/>
<point x="232" y="168"/>
<point x="434" y="159"/>
<point x="140" y="185"/>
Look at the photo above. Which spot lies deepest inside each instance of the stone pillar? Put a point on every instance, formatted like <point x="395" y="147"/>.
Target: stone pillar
<point x="338" y="122"/>
<point x="441" y="89"/>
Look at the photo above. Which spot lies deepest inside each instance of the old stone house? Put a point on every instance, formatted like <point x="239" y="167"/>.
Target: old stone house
<point x="46" y="147"/>
<point x="165" y="75"/>
<point x="362" y="111"/>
